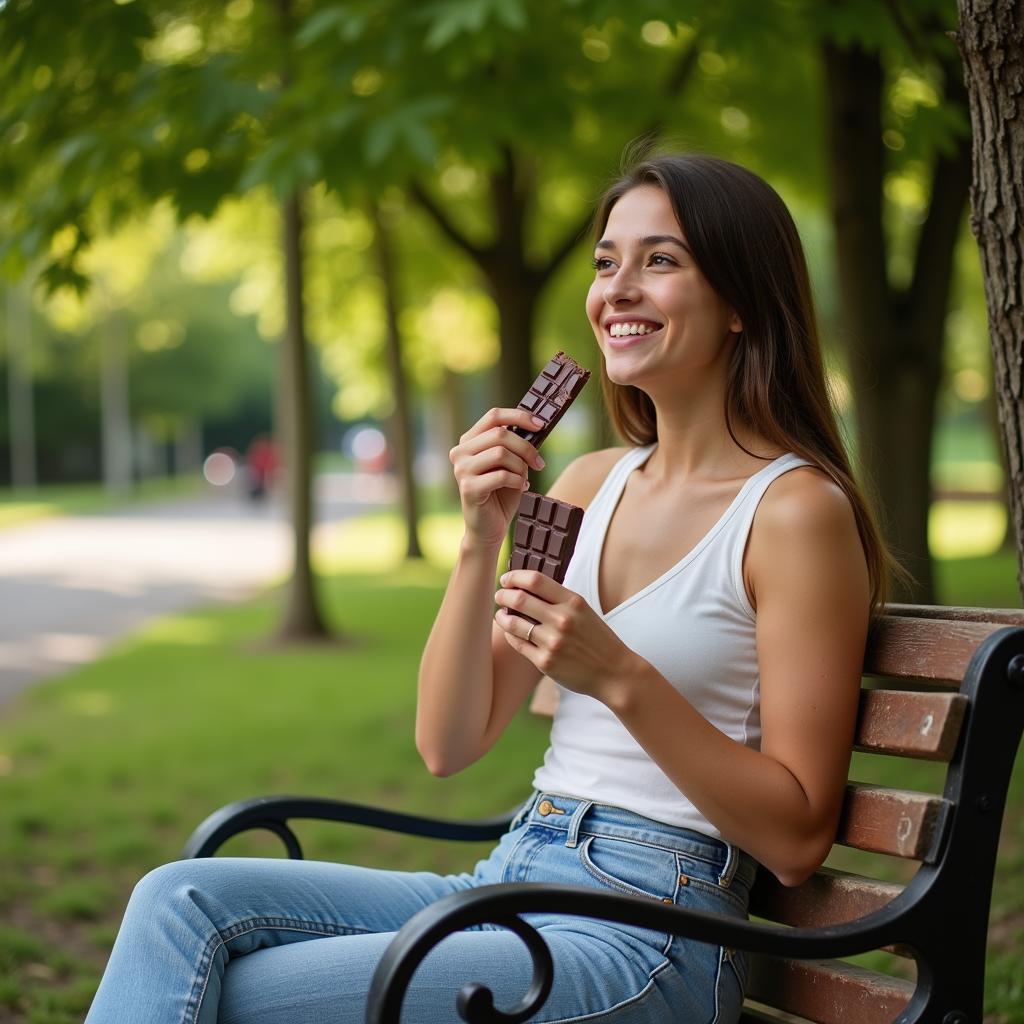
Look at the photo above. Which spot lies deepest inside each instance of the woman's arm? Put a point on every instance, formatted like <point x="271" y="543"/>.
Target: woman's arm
<point x="471" y="682"/>
<point x="808" y="578"/>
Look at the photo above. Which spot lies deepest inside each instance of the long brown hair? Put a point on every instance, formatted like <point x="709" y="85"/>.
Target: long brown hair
<point x="746" y="244"/>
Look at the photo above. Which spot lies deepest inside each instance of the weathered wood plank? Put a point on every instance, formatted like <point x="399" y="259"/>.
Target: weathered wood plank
<point x="899" y="822"/>
<point x="1003" y="616"/>
<point x="828" y="991"/>
<point x="937" y="650"/>
<point x="910" y="724"/>
<point x="827" y="897"/>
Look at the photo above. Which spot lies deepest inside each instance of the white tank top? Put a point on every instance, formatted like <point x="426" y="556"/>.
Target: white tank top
<point x="694" y="624"/>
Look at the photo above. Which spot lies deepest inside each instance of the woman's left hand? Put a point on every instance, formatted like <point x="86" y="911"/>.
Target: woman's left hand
<point x="570" y="642"/>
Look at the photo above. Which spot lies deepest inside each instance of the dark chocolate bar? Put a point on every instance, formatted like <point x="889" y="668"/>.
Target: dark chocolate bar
<point x="551" y="394"/>
<point x="545" y="535"/>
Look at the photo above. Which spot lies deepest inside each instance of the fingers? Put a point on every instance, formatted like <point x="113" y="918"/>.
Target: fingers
<point x="521" y="627"/>
<point x="533" y="582"/>
<point x="489" y="471"/>
<point x="491" y="431"/>
<point x="524" y="602"/>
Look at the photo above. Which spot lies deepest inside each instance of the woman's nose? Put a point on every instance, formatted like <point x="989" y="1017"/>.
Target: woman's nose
<point x="621" y="288"/>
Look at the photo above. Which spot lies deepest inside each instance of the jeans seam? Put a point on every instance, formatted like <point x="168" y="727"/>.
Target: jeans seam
<point x="583" y="832"/>
<point x="253" y="924"/>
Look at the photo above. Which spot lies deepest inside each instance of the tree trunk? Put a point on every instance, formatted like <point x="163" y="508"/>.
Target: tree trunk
<point x="302" y="619"/>
<point x="20" y="404"/>
<point x="514" y="284"/>
<point x="401" y="427"/>
<point x="115" y="415"/>
<point x="990" y="39"/>
<point x="894" y="337"/>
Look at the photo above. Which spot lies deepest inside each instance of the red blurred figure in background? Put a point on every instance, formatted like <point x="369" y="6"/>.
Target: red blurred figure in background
<point x="261" y="463"/>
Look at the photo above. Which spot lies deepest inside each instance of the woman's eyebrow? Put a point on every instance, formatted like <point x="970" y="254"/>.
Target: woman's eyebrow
<point x="660" y="239"/>
<point x="647" y="240"/>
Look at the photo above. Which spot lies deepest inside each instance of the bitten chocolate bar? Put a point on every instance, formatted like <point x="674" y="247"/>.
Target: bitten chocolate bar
<point x="545" y="536"/>
<point x="551" y="394"/>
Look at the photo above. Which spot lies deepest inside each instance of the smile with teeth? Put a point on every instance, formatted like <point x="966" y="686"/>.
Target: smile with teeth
<point x="621" y="330"/>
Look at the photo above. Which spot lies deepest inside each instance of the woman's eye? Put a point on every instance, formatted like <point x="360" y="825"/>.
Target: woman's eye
<point x="601" y="262"/>
<point x="660" y="259"/>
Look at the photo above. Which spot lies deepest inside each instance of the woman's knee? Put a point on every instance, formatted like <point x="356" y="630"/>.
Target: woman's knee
<point x="172" y="886"/>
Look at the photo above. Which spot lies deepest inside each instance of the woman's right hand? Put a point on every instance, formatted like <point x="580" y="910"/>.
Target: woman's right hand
<point x="491" y="466"/>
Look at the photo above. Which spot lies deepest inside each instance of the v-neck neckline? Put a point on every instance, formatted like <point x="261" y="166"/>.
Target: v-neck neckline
<point x="615" y="499"/>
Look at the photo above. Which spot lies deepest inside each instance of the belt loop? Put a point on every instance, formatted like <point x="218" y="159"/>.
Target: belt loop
<point x="729" y="868"/>
<point x="574" y="823"/>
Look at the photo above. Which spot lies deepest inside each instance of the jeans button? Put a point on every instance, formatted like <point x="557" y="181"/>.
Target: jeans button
<point x="545" y="807"/>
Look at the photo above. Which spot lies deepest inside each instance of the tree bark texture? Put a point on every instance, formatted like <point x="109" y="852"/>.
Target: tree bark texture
<point x="894" y="335"/>
<point x="400" y="425"/>
<point x="991" y="40"/>
<point x="302" y="619"/>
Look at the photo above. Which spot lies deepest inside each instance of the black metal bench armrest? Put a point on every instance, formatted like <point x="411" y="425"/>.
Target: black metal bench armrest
<point x="503" y="905"/>
<point x="274" y="812"/>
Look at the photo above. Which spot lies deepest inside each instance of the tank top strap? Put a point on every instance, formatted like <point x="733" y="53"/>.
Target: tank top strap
<point x="739" y="527"/>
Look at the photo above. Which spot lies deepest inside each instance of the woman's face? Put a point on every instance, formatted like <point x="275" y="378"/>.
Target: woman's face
<point x="652" y="310"/>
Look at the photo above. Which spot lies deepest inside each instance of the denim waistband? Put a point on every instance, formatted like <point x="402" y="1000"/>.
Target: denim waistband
<point x="577" y="817"/>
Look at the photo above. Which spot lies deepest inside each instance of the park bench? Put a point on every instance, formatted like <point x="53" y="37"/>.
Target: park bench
<point x="942" y="684"/>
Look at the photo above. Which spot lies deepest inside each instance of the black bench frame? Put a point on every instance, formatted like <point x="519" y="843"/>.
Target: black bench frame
<point x="950" y="985"/>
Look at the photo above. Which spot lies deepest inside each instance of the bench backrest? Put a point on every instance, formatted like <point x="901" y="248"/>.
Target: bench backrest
<point x="924" y="676"/>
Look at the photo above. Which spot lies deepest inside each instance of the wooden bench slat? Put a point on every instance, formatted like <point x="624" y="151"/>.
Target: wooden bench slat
<point x="937" y="650"/>
<point x="827" y="897"/>
<point x="899" y="822"/>
<point x="910" y="724"/>
<point x="828" y="991"/>
<point x="958" y="613"/>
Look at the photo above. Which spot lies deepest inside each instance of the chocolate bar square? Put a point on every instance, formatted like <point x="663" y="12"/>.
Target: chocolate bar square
<point x="551" y="394"/>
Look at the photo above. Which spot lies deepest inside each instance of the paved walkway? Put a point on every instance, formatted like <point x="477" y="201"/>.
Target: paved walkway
<point x="70" y="586"/>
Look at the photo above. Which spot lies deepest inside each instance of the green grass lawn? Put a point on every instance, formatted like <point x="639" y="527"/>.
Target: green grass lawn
<point x="21" y="506"/>
<point x="105" y="772"/>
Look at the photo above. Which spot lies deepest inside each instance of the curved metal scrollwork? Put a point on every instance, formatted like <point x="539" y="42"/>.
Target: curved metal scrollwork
<point x="285" y="834"/>
<point x="475" y="1001"/>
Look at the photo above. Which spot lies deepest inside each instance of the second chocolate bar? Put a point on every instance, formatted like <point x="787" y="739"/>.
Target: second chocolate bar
<point x="545" y="536"/>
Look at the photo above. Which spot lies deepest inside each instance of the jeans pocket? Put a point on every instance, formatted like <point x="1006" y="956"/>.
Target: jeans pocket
<point x="630" y="867"/>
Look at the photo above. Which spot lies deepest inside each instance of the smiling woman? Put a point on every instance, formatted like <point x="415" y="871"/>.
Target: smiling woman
<point x="707" y="643"/>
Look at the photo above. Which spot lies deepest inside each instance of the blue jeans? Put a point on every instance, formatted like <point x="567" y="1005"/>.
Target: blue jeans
<point x="254" y="941"/>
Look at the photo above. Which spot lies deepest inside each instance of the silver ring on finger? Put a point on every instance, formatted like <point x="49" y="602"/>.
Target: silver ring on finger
<point x="529" y="632"/>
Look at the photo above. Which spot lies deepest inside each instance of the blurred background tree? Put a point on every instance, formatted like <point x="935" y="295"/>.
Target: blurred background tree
<point x="285" y="134"/>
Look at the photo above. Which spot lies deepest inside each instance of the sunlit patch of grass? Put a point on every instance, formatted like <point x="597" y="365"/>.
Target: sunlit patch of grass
<point x="182" y="629"/>
<point x="24" y="511"/>
<point x="966" y="529"/>
<point x="967" y="475"/>
<point x="22" y="505"/>
<point x="378" y="543"/>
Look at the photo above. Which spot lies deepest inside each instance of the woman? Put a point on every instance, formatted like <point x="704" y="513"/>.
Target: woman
<point x="707" y="641"/>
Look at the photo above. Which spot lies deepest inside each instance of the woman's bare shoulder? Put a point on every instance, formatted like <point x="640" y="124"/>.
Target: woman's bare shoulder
<point x="804" y="527"/>
<point x="582" y="478"/>
<point x="805" y="498"/>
